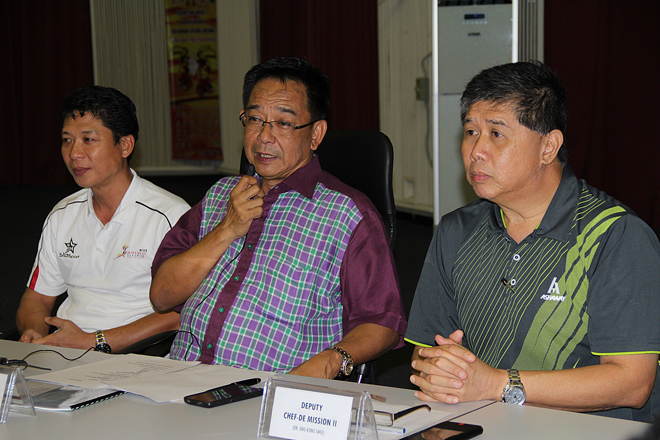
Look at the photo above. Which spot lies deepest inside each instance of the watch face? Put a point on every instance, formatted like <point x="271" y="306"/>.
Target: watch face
<point x="105" y="348"/>
<point x="348" y="368"/>
<point x="515" y="395"/>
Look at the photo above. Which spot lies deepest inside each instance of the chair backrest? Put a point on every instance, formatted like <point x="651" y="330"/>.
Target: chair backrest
<point x="364" y="160"/>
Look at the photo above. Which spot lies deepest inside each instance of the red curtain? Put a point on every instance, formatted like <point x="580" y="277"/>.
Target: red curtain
<point x="607" y="52"/>
<point x="341" y="38"/>
<point x="48" y="54"/>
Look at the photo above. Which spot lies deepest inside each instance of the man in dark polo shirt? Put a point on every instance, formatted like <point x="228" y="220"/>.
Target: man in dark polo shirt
<point x="546" y="290"/>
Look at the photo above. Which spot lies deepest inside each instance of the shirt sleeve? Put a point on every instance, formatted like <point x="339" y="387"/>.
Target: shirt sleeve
<point x="433" y="311"/>
<point x="46" y="277"/>
<point x="623" y="300"/>
<point x="369" y="283"/>
<point x="183" y="236"/>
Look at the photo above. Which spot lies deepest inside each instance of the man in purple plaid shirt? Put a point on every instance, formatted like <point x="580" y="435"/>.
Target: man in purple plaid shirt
<point x="287" y="269"/>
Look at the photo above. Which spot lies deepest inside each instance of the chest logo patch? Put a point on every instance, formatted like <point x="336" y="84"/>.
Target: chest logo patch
<point x="125" y="253"/>
<point x="70" y="249"/>
<point x="554" y="294"/>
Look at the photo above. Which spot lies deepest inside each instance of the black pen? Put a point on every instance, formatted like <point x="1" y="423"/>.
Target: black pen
<point x="247" y="382"/>
<point x="409" y="410"/>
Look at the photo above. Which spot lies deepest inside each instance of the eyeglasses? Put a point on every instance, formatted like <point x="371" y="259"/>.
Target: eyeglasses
<point x="279" y="128"/>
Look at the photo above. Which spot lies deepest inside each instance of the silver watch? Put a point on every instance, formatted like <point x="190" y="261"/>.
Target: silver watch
<point x="514" y="392"/>
<point x="101" y="343"/>
<point x="346" y="363"/>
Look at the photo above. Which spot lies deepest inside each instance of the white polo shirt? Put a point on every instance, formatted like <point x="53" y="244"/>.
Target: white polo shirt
<point x="106" y="269"/>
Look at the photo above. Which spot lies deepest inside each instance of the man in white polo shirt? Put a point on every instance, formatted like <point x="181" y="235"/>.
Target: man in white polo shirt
<point x="98" y="243"/>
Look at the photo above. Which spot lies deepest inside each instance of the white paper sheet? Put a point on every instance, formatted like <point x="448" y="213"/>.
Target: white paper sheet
<point x="105" y="373"/>
<point x="174" y="386"/>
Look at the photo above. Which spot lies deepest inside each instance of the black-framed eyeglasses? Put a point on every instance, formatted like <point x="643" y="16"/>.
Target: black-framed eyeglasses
<point x="279" y="128"/>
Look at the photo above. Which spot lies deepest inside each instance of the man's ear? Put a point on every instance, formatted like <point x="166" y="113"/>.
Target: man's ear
<point x="318" y="132"/>
<point x="127" y="145"/>
<point x="553" y="142"/>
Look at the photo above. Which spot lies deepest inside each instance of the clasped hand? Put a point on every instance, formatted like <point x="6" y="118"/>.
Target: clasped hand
<point x="450" y="373"/>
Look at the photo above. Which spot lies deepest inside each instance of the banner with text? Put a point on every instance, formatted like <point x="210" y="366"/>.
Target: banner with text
<point x="193" y="78"/>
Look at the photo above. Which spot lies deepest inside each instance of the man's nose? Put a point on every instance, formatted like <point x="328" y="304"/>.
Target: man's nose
<point x="76" y="150"/>
<point x="479" y="149"/>
<point x="266" y="132"/>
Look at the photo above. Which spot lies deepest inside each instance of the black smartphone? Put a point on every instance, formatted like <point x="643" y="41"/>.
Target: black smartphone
<point x="234" y="392"/>
<point x="448" y="430"/>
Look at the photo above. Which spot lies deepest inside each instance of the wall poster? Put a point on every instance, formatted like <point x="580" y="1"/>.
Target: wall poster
<point x="193" y="79"/>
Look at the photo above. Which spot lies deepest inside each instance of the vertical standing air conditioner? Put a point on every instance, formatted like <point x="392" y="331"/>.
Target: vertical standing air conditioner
<point x="469" y="36"/>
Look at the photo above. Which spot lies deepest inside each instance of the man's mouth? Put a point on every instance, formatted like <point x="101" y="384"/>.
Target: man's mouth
<point x="479" y="177"/>
<point x="264" y="156"/>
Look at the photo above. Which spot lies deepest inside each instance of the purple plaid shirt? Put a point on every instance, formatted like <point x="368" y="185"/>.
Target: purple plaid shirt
<point x="314" y="266"/>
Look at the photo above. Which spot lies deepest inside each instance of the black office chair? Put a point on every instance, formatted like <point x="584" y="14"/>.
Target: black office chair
<point x="154" y="345"/>
<point x="364" y="160"/>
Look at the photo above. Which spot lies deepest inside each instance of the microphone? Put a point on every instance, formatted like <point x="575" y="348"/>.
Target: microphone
<point x="249" y="169"/>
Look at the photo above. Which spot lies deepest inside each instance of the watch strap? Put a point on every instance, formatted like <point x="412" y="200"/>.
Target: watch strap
<point x="514" y="377"/>
<point x="347" y="361"/>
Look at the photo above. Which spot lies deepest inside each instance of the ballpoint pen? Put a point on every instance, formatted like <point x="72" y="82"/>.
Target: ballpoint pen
<point x="392" y="429"/>
<point x="409" y="410"/>
<point x="398" y="415"/>
<point x="247" y="382"/>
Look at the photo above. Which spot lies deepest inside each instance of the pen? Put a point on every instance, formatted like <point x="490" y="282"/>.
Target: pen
<point x="392" y="429"/>
<point x="409" y="410"/>
<point x="506" y="283"/>
<point x="247" y="382"/>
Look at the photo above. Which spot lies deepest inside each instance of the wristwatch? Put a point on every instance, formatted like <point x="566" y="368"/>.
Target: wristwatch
<point x="101" y="343"/>
<point x="514" y="392"/>
<point x="347" y="361"/>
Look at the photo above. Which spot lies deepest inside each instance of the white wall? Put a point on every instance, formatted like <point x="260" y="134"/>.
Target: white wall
<point x="405" y="37"/>
<point x="404" y="34"/>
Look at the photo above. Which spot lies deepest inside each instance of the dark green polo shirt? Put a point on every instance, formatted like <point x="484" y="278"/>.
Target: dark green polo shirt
<point x="585" y="283"/>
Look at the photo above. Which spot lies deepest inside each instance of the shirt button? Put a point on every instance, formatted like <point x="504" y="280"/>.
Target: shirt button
<point x="221" y="309"/>
<point x="512" y="282"/>
<point x="249" y="246"/>
<point x="236" y="278"/>
<point x="209" y="346"/>
<point x="516" y="257"/>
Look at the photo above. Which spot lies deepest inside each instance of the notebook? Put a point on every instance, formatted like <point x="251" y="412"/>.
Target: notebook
<point x="54" y="397"/>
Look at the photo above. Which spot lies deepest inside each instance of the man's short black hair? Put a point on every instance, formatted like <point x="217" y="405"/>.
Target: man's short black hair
<point x="115" y="110"/>
<point x="316" y="83"/>
<point x="533" y="90"/>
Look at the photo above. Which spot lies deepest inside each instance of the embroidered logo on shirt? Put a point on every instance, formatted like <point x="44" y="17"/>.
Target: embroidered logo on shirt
<point x="554" y="294"/>
<point x="142" y="253"/>
<point x="70" y="249"/>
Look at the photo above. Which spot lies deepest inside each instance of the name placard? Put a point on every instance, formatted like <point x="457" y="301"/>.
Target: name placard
<point x="301" y="414"/>
<point x="301" y="411"/>
<point x="15" y="395"/>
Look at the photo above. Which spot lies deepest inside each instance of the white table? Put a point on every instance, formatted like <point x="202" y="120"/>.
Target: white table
<point x="131" y="416"/>
<point x="513" y="422"/>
